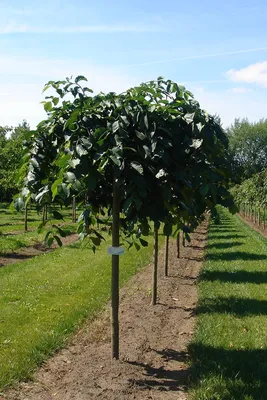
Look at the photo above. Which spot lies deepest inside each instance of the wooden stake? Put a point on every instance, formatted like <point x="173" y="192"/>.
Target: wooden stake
<point x="155" y="268"/>
<point x="115" y="274"/>
<point x="166" y="255"/>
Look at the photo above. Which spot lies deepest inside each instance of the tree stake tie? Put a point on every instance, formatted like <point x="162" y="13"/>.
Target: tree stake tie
<point x="115" y="251"/>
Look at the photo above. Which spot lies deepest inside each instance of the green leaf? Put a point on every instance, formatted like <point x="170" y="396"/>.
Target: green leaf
<point x="59" y="242"/>
<point x="140" y="135"/>
<point x="81" y="151"/>
<point x="57" y="215"/>
<point x="60" y="231"/>
<point x="55" y="101"/>
<point x="189" y="117"/>
<point x="115" y="126"/>
<point x="80" y="78"/>
<point x="50" y="241"/>
<point x="146" y="121"/>
<point x="138" y="167"/>
<point x="137" y="246"/>
<point x="54" y="187"/>
<point x="143" y="242"/>
<point x="48" y="106"/>
<point x="96" y="240"/>
<point x="115" y="160"/>
<point x="204" y="189"/>
<point x="70" y="177"/>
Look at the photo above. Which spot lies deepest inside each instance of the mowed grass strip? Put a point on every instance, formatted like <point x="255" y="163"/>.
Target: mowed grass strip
<point x="45" y="299"/>
<point x="229" y="349"/>
<point x="14" y="221"/>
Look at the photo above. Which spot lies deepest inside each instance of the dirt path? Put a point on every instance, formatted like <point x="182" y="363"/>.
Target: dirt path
<point x="31" y="251"/>
<point x="153" y="342"/>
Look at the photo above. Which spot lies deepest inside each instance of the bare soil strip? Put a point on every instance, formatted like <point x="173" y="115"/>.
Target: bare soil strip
<point x="32" y="251"/>
<point x="153" y="341"/>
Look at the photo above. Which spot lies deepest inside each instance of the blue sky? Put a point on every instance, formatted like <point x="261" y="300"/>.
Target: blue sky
<point x="216" y="49"/>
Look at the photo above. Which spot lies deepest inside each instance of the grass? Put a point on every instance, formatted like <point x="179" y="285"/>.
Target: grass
<point x="12" y="235"/>
<point x="229" y="349"/>
<point x="45" y="299"/>
<point x="14" y="221"/>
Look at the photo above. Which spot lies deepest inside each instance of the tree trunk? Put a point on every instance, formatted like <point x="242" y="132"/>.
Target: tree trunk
<point x="155" y="268"/>
<point x="26" y="219"/>
<point x="264" y="218"/>
<point x="73" y="209"/>
<point x="183" y="240"/>
<point x="178" y="245"/>
<point x="115" y="274"/>
<point x="166" y="255"/>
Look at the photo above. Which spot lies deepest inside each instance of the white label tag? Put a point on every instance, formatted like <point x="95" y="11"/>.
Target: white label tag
<point x="116" y="251"/>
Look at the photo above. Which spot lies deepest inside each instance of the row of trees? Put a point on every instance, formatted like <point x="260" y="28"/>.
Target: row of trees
<point x="11" y="152"/>
<point x="247" y="148"/>
<point x="141" y="159"/>
<point x="251" y="197"/>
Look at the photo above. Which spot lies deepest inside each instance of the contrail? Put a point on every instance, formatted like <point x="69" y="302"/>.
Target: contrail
<point x="226" y="53"/>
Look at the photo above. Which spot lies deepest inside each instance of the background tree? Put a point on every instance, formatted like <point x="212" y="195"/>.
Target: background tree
<point x="248" y="148"/>
<point x="11" y="152"/>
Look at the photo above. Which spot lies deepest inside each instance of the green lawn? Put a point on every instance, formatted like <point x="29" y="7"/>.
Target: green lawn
<point x="46" y="298"/>
<point x="229" y="349"/>
<point x="14" y="221"/>
<point x="12" y="235"/>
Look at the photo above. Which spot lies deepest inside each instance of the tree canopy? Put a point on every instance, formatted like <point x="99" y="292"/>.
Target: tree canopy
<point x="166" y="155"/>
<point x="248" y="148"/>
<point x="11" y="151"/>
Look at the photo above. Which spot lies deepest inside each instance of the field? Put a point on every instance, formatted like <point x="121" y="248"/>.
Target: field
<point x="47" y="298"/>
<point x="229" y="348"/>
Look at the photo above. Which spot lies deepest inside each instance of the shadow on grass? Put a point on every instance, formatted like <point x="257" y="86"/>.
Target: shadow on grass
<point x="233" y="305"/>
<point x="240" y="276"/>
<point x="225" y="245"/>
<point x="228" y="374"/>
<point x="236" y="256"/>
<point x="226" y="237"/>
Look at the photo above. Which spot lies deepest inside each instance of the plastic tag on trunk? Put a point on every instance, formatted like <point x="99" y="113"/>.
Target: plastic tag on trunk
<point x="115" y="251"/>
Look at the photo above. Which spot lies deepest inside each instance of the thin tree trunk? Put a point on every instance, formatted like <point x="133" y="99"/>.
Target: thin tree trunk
<point x="166" y="255"/>
<point x="178" y="245"/>
<point x="259" y="219"/>
<point x="73" y="209"/>
<point x="115" y="274"/>
<point x="26" y="219"/>
<point x="155" y="268"/>
<point x="183" y="240"/>
<point x="264" y="218"/>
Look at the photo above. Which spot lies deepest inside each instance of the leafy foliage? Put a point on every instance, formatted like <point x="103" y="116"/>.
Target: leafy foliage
<point x="248" y="148"/>
<point x="166" y="155"/>
<point x="252" y="190"/>
<point x="11" y="150"/>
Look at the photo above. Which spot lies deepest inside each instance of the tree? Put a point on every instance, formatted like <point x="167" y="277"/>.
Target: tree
<point x="11" y="151"/>
<point x="149" y="154"/>
<point x="248" y="148"/>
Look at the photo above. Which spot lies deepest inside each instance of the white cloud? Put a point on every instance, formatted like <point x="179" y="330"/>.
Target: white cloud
<point x="254" y="73"/>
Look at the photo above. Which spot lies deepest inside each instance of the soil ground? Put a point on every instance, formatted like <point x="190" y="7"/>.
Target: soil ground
<point x="153" y="341"/>
<point x="31" y="251"/>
